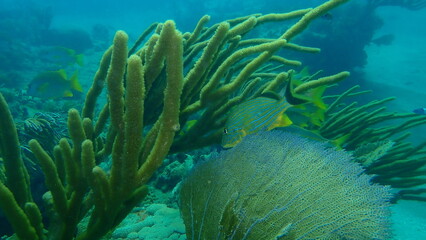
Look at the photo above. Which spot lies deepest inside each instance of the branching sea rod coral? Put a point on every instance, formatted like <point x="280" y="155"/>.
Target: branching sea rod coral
<point x="378" y="139"/>
<point x="172" y="78"/>
<point x="113" y="195"/>
<point x="222" y="67"/>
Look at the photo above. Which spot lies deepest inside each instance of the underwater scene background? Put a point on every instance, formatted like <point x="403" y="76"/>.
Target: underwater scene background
<point x="236" y="120"/>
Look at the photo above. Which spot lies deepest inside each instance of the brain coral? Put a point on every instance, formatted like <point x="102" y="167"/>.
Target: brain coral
<point x="277" y="185"/>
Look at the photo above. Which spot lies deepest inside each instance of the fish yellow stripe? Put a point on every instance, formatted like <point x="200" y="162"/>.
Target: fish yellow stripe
<point x="252" y="116"/>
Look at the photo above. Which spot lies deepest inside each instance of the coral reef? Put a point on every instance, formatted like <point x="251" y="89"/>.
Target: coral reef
<point x="169" y="95"/>
<point x="72" y="172"/>
<point x="156" y="222"/>
<point x="47" y="128"/>
<point x="277" y="185"/>
<point x="172" y="172"/>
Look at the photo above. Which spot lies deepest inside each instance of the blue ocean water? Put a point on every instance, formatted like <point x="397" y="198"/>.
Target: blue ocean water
<point x="383" y="48"/>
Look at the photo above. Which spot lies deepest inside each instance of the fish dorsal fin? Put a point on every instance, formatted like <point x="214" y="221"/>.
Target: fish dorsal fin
<point x="304" y="73"/>
<point x="79" y="59"/>
<point x="62" y="73"/>
<point x="317" y="94"/>
<point x="282" y="121"/>
<point x="272" y="95"/>
<point x="75" y="84"/>
<point x="292" y="97"/>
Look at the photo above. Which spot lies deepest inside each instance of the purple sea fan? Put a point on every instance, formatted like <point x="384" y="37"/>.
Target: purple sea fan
<point x="277" y="185"/>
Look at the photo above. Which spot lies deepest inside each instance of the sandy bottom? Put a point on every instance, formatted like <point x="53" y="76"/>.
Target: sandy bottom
<point x="409" y="220"/>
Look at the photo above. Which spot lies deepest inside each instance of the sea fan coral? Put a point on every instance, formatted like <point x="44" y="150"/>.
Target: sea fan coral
<point x="277" y="185"/>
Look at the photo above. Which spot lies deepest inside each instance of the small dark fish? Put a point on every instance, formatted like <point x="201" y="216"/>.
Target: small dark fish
<point x="327" y="16"/>
<point x="421" y="111"/>
<point x="384" y="40"/>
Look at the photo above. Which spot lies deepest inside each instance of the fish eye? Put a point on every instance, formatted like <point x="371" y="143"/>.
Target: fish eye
<point x="225" y="131"/>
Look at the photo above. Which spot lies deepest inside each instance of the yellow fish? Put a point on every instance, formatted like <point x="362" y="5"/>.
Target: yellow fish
<point x="61" y="57"/>
<point x="258" y="114"/>
<point x="261" y="113"/>
<point x="54" y="84"/>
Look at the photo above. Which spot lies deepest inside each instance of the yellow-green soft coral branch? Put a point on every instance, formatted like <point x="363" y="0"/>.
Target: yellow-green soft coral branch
<point x="161" y="48"/>
<point x="308" y="17"/>
<point x="135" y="94"/>
<point x="116" y="101"/>
<point x="245" y="73"/>
<point x="208" y="92"/>
<point x="77" y="134"/>
<point x="97" y="86"/>
<point x="354" y="122"/>
<point x="228" y="77"/>
<point x="99" y="183"/>
<point x="67" y="200"/>
<point x="71" y="167"/>
<point x="242" y="28"/>
<point x="196" y="33"/>
<point x="272" y="17"/>
<point x="16" y="173"/>
<point x="101" y="121"/>
<point x="335" y="122"/>
<point x="142" y="37"/>
<point x="88" y="161"/>
<point x="299" y="48"/>
<point x="53" y="182"/>
<point x="15" y="215"/>
<point x="101" y="194"/>
<point x="203" y="62"/>
<point x="155" y="65"/>
<point x="339" y="99"/>
<point x="285" y="61"/>
<point x="169" y="118"/>
<point x="147" y="51"/>
<point x="193" y="51"/>
<point x="279" y="80"/>
<point x="401" y="165"/>
<point x="34" y="215"/>
<point x="115" y="79"/>
<point x="88" y="129"/>
<point x="59" y="162"/>
<point x="321" y="82"/>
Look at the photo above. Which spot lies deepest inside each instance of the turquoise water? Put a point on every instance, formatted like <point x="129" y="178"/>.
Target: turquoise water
<point x="383" y="48"/>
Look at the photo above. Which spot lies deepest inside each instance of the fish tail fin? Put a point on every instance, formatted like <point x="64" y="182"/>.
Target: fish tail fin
<point x="282" y="121"/>
<point x="75" y="84"/>
<point x="317" y="117"/>
<point x="62" y="73"/>
<point x="79" y="59"/>
<point x="317" y="94"/>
